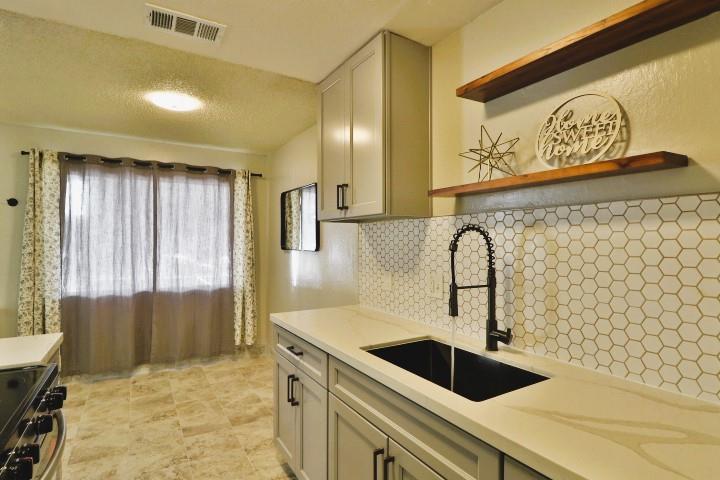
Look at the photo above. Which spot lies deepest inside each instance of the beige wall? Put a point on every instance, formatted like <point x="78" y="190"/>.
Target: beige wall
<point x="667" y="86"/>
<point x="13" y="183"/>
<point x="300" y="280"/>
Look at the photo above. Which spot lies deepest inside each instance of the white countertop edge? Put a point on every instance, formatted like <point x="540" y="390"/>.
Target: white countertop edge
<point x="28" y="351"/>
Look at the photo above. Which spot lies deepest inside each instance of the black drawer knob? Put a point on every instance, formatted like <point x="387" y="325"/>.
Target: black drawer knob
<point x="292" y="349"/>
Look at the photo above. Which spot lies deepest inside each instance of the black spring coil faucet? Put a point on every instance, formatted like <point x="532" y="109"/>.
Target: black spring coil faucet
<point x="492" y="334"/>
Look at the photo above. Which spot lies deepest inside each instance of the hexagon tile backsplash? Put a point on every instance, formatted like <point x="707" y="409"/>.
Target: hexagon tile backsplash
<point x="629" y="288"/>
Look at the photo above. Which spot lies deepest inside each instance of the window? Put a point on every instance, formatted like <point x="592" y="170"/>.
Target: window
<point x="129" y="230"/>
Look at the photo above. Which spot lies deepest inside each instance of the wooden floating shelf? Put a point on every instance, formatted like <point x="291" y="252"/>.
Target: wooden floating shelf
<point x="608" y="168"/>
<point x="636" y="23"/>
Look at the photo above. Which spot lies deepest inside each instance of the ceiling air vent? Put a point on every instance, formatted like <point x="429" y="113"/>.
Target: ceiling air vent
<point x="183" y="24"/>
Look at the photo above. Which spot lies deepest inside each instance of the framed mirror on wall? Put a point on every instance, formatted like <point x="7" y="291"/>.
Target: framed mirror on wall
<point x="299" y="228"/>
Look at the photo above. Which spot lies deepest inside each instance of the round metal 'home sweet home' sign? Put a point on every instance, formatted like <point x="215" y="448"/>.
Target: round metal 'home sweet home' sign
<point x="580" y="130"/>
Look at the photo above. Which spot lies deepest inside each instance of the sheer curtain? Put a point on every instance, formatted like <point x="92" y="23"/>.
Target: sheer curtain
<point x="146" y="265"/>
<point x="193" y="306"/>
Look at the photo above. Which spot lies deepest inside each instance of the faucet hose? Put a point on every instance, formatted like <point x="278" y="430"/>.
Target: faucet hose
<point x="472" y="227"/>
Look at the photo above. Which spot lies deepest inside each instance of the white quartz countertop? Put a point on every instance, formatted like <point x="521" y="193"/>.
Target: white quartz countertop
<point x="18" y="352"/>
<point x="579" y="424"/>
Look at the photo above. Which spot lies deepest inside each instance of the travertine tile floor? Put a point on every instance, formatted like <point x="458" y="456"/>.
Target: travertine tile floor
<point x="210" y="420"/>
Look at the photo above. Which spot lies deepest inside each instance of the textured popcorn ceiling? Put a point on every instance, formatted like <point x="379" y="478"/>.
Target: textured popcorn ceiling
<point x="305" y="39"/>
<point x="629" y="288"/>
<point x="56" y="75"/>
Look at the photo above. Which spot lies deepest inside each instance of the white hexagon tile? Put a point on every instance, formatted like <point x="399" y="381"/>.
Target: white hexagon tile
<point x="629" y="288"/>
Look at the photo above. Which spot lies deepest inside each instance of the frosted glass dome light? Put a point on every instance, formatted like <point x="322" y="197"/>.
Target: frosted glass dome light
<point x="175" y="101"/>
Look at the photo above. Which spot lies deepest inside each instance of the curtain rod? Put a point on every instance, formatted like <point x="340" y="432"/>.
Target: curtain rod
<point x="252" y="174"/>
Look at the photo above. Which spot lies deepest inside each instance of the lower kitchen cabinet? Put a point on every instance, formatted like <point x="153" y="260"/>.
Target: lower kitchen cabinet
<point x="406" y="466"/>
<point x="300" y="420"/>
<point x="450" y="452"/>
<point x="357" y="449"/>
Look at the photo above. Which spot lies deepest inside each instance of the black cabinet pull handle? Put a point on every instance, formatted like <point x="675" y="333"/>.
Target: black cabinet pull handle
<point x="289" y="387"/>
<point x="387" y="462"/>
<point x="343" y="189"/>
<point x="293" y="400"/>
<point x="338" y="190"/>
<point x="376" y="452"/>
<point x="292" y="350"/>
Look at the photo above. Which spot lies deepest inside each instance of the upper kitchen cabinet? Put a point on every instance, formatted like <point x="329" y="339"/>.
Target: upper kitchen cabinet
<point x="374" y="118"/>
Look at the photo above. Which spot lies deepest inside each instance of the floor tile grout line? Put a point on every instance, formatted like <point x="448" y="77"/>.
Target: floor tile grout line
<point x="256" y="386"/>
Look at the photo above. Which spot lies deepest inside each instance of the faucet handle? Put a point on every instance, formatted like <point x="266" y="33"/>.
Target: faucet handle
<point x="505" y="337"/>
<point x="508" y="336"/>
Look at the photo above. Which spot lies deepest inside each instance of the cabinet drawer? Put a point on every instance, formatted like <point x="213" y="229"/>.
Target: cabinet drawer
<point x="305" y="356"/>
<point x="454" y="454"/>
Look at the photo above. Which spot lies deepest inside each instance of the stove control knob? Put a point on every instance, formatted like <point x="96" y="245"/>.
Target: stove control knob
<point x="52" y="401"/>
<point x="30" y="450"/>
<point x="43" y="424"/>
<point x="39" y="425"/>
<point x="4" y="456"/>
<point x="60" y="390"/>
<point x="21" y="468"/>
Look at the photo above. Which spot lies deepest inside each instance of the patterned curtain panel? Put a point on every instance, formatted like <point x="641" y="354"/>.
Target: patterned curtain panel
<point x="244" y="262"/>
<point x="39" y="295"/>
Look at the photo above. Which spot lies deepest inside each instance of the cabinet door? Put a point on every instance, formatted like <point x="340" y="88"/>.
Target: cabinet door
<point x="405" y="466"/>
<point x="334" y="141"/>
<point x="366" y="162"/>
<point x="515" y="470"/>
<point x="285" y="412"/>
<point x="311" y="428"/>
<point x="357" y="449"/>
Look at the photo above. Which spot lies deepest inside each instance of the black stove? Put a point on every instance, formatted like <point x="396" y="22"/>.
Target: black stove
<point x="31" y="424"/>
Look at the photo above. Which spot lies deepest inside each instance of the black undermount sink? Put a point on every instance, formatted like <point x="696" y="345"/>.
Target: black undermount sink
<point x="477" y="378"/>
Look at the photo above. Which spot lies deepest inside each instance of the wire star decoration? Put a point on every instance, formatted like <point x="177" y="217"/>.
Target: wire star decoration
<point x="492" y="155"/>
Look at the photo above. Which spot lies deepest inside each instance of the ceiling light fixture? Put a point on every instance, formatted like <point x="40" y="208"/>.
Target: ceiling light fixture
<point x="175" y="101"/>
